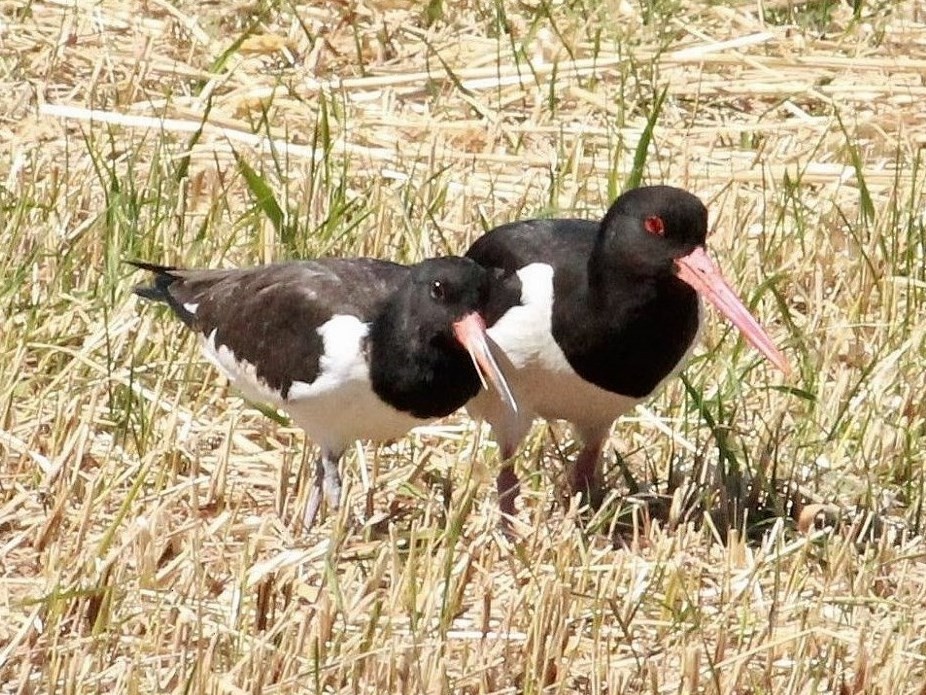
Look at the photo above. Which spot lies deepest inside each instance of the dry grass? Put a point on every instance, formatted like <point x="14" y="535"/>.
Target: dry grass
<point x="147" y="541"/>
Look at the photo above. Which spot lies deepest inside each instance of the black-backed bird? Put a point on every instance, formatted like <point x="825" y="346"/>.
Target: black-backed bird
<point x="349" y="348"/>
<point x="608" y="311"/>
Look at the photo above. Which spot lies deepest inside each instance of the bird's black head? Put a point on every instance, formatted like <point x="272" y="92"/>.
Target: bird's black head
<point x="440" y="292"/>
<point x="648" y="228"/>
<point x="658" y="232"/>
<point x="429" y="350"/>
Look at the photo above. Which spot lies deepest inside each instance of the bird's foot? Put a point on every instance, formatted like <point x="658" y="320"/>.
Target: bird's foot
<point x="593" y="494"/>
<point x="506" y="525"/>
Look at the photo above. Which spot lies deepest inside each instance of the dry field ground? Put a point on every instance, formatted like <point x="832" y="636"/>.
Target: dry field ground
<point x="148" y="516"/>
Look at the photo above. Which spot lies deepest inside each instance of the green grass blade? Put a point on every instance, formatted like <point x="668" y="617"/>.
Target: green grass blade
<point x="264" y="198"/>
<point x="642" y="150"/>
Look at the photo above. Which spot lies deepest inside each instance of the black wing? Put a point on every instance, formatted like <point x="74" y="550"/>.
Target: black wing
<point x="554" y="242"/>
<point x="269" y="315"/>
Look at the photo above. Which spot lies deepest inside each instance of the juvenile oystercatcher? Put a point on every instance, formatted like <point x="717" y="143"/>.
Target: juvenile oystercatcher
<point x="349" y="348"/>
<point x="608" y="311"/>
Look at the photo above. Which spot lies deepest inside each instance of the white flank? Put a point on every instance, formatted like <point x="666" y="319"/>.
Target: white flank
<point x="241" y="373"/>
<point x="340" y="405"/>
<point x="191" y="307"/>
<point x="341" y="362"/>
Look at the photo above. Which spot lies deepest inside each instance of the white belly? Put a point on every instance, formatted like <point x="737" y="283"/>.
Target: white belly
<point x="339" y="406"/>
<point x="335" y="419"/>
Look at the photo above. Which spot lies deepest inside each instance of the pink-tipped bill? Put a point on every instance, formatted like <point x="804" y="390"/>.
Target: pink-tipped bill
<point x="471" y="332"/>
<point x="699" y="271"/>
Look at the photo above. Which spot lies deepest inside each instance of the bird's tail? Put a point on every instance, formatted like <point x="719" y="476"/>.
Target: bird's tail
<point x="159" y="291"/>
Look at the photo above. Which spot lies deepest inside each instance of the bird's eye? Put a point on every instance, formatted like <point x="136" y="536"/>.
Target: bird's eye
<point x="437" y="290"/>
<point x="654" y="225"/>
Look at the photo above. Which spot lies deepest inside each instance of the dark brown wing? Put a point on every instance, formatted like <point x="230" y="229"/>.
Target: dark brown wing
<point x="269" y="315"/>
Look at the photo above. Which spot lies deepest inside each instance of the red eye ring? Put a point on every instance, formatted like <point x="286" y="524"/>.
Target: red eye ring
<point x="654" y="225"/>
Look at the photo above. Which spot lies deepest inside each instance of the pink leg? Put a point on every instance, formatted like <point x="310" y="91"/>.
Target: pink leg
<point x="327" y="483"/>
<point x="315" y="496"/>
<point x="585" y="474"/>
<point x="508" y="489"/>
<point x="508" y="430"/>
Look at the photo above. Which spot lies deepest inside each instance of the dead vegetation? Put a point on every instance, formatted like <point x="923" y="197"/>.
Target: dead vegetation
<point x="147" y="516"/>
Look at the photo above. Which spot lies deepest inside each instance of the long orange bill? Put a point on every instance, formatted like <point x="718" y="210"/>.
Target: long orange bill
<point x="699" y="271"/>
<point x="471" y="332"/>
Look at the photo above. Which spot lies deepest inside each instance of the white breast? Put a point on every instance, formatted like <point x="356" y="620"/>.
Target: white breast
<point x="541" y="377"/>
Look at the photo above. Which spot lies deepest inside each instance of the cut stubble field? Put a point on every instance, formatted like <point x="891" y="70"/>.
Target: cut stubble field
<point x="764" y="534"/>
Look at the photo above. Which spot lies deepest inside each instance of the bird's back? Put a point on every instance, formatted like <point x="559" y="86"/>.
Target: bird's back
<point x="559" y="243"/>
<point x="275" y="320"/>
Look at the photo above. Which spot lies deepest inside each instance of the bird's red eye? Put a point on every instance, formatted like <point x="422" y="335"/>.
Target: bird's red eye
<point x="653" y="224"/>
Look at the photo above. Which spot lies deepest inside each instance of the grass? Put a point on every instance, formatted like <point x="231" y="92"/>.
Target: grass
<point x="148" y="536"/>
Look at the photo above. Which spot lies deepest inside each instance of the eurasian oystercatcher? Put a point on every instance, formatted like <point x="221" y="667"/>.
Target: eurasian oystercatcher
<point x="349" y="348"/>
<point x="608" y="311"/>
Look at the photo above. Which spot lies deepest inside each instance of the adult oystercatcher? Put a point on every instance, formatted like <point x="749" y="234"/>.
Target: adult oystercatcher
<point x="608" y="311"/>
<point x="349" y="348"/>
